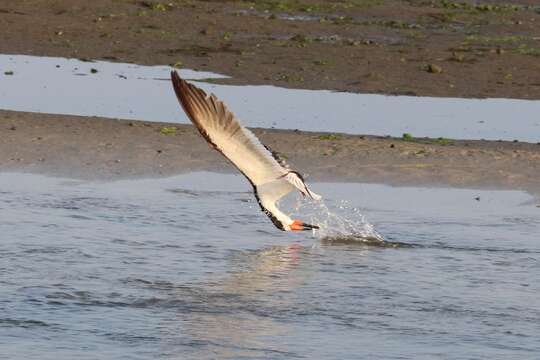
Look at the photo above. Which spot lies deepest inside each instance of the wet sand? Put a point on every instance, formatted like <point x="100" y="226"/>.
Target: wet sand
<point x="434" y="48"/>
<point x="103" y="149"/>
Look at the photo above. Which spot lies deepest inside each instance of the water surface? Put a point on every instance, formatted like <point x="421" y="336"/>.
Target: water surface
<point x="116" y="90"/>
<point x="188" y="268"/>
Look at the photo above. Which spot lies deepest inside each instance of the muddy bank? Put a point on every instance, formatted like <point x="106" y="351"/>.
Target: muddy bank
<point x="436" y="48"/>
<point x="98" y="148"/>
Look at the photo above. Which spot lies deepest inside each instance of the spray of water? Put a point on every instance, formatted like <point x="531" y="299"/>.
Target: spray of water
<point x="341" y="221"/>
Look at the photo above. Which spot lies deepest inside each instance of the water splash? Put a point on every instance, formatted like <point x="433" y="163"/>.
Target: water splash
<point x="343" y="221"/>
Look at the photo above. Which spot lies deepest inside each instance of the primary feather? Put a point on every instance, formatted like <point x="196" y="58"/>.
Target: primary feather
<point x="221" y="129"/>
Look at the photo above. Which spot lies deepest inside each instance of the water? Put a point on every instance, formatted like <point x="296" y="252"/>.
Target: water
<point x="144" y="93"/>
<point x="188" y="268"/>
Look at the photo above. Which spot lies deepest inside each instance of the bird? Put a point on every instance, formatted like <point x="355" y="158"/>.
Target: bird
<point x="270" y="177"/>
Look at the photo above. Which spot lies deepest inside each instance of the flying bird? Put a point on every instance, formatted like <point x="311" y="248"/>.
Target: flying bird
<point x="270" y="177"/>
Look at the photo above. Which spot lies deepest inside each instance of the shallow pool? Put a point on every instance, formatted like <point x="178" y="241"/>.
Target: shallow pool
<point x="188" y="267"/>
<point x="128" y="91"/>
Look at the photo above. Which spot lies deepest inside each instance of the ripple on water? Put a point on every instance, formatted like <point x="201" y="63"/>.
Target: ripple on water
<point x="360" y="240"/>
<point x="202" y="275"/>
<point x="22" y="323"/>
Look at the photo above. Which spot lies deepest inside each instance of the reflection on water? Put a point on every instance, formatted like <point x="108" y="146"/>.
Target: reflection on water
<point x="135" y="269"/>
<point x="116" y="90"/>
<point x="256" y="292"/>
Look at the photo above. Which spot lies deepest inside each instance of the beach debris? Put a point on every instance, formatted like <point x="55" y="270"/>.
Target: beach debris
<point x="8" y="72"/>
<point x="227" y="36"/>
<point x="156" y="6"/>
<point x="322" y="62"/>
<point x="168" y="130"/>
<point x="330" y="137"/>
<point x="457" y="57"/>
<point x="433" y="69"/>
<point x="93" y="71"/>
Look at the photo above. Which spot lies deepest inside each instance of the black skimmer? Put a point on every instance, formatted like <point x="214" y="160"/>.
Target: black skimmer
<point x="270" y="177"/>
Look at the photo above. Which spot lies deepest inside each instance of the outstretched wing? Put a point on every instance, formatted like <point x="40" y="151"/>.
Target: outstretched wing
<point x="222" y="130"/>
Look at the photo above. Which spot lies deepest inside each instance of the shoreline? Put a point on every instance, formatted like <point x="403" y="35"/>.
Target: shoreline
<point x="94" y="148"/>
<point x="432" y="48"/>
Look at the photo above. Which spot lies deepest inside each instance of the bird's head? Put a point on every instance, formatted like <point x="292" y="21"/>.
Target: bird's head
<point x="298" y="225"/>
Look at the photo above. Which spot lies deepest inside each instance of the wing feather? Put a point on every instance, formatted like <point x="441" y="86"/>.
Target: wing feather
<point x="297" y="181"/>
<point x="224" y="132"/>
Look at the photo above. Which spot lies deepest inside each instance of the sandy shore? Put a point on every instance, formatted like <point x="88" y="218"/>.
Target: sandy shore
<point x="435" y="48"/>
<point x="103" y="149"/>
<point x="464" y="48"/>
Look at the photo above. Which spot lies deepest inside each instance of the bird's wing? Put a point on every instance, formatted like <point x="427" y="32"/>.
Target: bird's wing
<point x="270" y="192"/>
<point x="298" y="182"/>
<point x="222" y="130"/>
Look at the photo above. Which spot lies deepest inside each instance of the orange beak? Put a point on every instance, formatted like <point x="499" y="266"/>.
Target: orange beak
<point x="298" y="225"/>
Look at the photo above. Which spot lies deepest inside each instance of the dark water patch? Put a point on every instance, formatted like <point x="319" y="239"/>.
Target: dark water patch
<point x="75" y="295"/>
<point x="444" y="246"/>
<point x="130" y="338"/>
<point x="128" y="242"/>
<point x="47" y="250"/>
<point x="373" y="242"/>
<point x="159" y="285"/>
<point x="79" y="217"/>
<point x="7" y="322"/>
<point x="86" y="204"/>
<point x="202" y="193"/>
<point x="242" y="352"/>
<point x="358" y="240"/>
